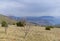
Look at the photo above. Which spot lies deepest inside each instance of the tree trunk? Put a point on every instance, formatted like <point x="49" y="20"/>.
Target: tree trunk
<point x="5" y="30"/>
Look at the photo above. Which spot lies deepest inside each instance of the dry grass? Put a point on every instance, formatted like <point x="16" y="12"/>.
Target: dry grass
<point x="35" y="33"/>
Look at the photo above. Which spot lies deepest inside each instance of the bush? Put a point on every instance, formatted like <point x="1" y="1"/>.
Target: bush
<point x="4" y="24"/>
<point x="20" y="24"/>
<point x="47" y="28"/>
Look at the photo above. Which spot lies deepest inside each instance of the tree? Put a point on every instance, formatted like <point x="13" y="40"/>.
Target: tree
<point x="20" y="24"/>
<point x="25" y="24"/>
<point x="26" y="30"/>
<point x="4" y="24"/>
<point x="49" y="27"/>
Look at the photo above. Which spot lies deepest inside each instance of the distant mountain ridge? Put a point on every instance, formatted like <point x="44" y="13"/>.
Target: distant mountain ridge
<point x="42" y="20"/>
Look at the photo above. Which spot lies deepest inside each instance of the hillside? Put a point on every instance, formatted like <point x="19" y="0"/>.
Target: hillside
<point x="7" y="19"/>
<point x="35" y="33"/>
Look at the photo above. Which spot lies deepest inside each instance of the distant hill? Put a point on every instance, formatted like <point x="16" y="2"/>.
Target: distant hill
<point x="42" y="20"/>
<point x="7" y="19"/>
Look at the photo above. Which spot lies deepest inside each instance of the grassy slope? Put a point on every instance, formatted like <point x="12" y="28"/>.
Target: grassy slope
<point x="35" y="34"/>
<point x="5" y="18"/>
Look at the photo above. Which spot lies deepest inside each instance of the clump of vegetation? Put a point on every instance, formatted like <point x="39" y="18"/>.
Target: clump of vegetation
<point x="13" y="23"/>
<point x="4" y="24"/>
<point x="49" y="27"/>
<point x="20" y="24"/>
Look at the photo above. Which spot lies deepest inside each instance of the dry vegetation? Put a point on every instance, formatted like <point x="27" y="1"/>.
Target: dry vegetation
<point x="34" y="33"/>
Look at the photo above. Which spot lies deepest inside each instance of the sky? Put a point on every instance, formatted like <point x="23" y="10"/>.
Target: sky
<point x="30" y="7"/>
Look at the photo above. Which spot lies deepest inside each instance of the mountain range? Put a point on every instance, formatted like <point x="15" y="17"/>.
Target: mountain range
<point x="42" y="20"/>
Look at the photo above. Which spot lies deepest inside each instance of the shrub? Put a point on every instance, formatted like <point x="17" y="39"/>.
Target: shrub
<point x="13" y="23"/>
<point x="4" y="24"/>
<point x="20" y="24"/>
<point x="47" y="28"/>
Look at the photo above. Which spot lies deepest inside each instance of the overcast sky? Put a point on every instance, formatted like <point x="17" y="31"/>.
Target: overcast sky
<point x="30" y="7"/>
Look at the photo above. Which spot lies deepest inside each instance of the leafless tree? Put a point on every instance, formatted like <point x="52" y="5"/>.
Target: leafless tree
<point x="26" y="26"/>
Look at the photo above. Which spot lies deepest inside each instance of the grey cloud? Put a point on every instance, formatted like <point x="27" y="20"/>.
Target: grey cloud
<point x="30" y="7"/>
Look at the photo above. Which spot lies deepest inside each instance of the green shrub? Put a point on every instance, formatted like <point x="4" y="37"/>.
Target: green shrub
<point x="20" y="24"/>
<point x="47" y="28"/>
<point x="4" y="24"/>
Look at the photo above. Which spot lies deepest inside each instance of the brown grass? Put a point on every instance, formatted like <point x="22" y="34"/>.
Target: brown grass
<point x="35" y="33"/>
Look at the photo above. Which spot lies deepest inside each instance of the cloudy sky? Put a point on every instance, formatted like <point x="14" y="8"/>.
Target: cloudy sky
<point x="30" y="7"/>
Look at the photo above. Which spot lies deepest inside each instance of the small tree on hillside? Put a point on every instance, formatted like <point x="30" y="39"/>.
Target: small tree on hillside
<point x="20" y="24"/>
<point x="49" y="27"/>
<point x="4" y="24"/>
